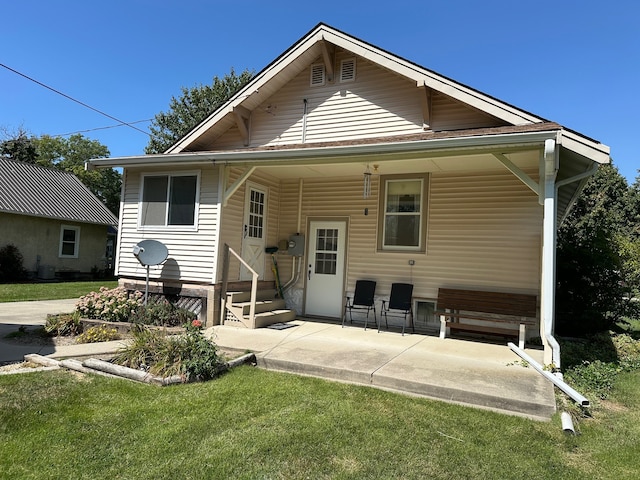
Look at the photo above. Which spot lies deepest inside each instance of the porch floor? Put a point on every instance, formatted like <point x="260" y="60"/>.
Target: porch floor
<point x="468" y="372"/>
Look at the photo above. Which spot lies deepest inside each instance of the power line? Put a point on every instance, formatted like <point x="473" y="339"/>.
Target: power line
<point x="101" y="128"/>
<point x="121" y="122"/>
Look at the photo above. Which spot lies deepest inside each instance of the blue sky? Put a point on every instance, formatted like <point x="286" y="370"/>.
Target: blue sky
<point x="573" y="62"/>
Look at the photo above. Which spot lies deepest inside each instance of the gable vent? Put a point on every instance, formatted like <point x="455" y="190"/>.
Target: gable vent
<point x="317" y="74"/>
<point x="348" y="70"/>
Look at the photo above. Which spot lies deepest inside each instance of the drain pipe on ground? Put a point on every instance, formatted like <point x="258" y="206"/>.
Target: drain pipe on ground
<point x="556" y="379"/>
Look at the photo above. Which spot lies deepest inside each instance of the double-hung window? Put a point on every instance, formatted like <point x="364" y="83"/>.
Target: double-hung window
<point x="403" y="214"/>
<point x="69" y="241"/>
<point x="169" y="200"/>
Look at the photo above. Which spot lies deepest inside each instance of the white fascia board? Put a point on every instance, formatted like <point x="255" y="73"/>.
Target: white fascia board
<point x="432" y="148"/>
<point x="591" y="149"/>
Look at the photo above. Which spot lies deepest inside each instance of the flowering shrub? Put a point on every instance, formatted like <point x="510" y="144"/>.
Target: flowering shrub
<point x="115" y="305"/>
<point x="100" y="333"/>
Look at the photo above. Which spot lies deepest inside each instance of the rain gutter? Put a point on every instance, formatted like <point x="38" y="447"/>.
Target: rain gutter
<point x="311" y="155"/>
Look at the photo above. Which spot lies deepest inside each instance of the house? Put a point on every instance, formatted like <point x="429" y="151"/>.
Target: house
<point x="59" y="226"/>
<point x="357" y="164"/>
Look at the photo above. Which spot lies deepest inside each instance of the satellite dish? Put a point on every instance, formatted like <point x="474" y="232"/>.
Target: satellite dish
<point x="150" y="252"/>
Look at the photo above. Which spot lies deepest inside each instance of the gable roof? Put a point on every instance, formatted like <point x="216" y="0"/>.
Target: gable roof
<point x="317" y="44"/>
<point x="33" y="190"/>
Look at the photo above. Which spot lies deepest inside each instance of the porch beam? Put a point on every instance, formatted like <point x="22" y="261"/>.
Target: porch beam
<point x="327" y="57"/>
<point x="518" y="172"/>
<point x="237" y="184"/>
<point x="242" y="116"/>
<point x="425" y="101"/>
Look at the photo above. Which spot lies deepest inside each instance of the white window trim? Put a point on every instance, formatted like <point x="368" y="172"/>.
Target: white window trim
<point x="76" y="249"/>
<point x="165" y="227"/>
<point x="424" y="207"/>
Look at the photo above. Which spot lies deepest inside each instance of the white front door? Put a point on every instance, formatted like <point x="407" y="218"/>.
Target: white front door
<point x="254" y="230"/>
<point x="325" y="268"/>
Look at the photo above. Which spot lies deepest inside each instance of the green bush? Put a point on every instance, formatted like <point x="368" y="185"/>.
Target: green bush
<point x="64" y="324"/>
<point x="11" y="264"/>
<point x="162" y="314"/>
<point x="99" y="333"/>
<point x="190" y="355"/>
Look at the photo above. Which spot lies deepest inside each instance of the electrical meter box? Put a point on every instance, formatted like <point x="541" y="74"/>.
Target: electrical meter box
<point x="296" y="245"/>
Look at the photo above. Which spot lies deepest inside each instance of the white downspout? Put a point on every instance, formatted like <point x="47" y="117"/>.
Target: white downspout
<point x="550" y="164"/>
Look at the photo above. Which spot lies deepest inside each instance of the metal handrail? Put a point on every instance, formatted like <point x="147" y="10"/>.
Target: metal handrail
<point x="225" y="275"/>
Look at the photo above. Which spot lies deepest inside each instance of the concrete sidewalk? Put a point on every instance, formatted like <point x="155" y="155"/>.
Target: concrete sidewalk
<point x="30" y="315"/>
<point x="460" y="371"/>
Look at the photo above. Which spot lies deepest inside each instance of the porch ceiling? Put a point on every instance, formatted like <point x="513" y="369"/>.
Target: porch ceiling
<point x="386" y="166"/>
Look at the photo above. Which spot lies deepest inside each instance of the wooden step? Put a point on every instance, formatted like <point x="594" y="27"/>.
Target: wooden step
<point x="261" y="306"/>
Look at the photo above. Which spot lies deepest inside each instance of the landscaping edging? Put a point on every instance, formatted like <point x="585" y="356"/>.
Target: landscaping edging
<point x="101" y="367"/>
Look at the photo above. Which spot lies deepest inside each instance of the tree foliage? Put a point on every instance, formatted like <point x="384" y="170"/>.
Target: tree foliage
<point x="69" y="155"/>
<point x="193" y="106"/>
<point x="596" y="256"/>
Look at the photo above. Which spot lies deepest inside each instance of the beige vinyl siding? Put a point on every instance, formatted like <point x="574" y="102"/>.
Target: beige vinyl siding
<point x="450" y="114"/>
<point x="483" y="232"/>
<point x="233" y="219"/>
<point x="191" y="253"/>
<point x="377" y="103"/>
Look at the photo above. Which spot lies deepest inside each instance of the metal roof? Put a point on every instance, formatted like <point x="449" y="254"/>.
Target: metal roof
<point x="33" y="190"/>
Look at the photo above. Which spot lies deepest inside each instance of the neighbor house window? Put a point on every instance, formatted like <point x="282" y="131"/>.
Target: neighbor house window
<point x="168" y="200"/>
<point x="69" y="241"/>
<point x="403" y="214"/>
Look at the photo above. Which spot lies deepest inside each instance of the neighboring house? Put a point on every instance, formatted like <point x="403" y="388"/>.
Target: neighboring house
<point x="59" y="226"/>
<point x="375" y="168"/>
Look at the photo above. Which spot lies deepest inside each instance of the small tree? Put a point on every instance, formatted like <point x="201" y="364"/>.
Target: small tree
<point x="591" y="273"/>
<point x="192" y="107"/>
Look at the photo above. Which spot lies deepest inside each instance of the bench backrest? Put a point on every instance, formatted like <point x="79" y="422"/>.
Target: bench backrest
<point x="516" y="304"/>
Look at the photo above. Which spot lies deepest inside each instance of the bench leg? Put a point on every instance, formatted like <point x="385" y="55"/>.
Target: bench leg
<point x="522" y="336"/>
<point x="443" y="326"/>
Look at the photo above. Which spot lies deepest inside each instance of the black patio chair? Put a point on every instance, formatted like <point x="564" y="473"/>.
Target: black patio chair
<point x="363" y="299"/>
<point x="400" y="305"/>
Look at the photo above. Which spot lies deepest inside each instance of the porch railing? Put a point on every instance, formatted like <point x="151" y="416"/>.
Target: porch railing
<point x="225" y="278"/>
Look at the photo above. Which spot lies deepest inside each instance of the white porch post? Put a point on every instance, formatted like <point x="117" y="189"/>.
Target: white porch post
<point x="550" y="166"/>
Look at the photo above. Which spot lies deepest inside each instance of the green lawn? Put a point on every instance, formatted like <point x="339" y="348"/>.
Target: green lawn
<point x="254" y="424"/>
<point x="20" y="292"/>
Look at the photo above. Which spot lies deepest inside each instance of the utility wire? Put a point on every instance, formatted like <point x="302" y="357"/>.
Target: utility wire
<point x="100" y="128"/>
<point x="128" y="124"/>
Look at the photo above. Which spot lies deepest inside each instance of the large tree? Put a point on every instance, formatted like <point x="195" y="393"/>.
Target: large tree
<point x="69" y="155"/>
<point x="192" y="107"/>
<point x="595" y="256"/>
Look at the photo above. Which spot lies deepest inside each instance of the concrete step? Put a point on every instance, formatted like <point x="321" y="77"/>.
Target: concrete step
<point x="237" y="297"/>
<point x="243" y="308"/>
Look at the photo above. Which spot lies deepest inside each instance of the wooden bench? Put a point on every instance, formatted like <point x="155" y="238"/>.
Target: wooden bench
<point x="489" y="307"/>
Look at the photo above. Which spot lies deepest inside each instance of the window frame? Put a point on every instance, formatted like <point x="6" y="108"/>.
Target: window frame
<point x="76" y="241"/>
<point x="166" y="226"/>
<point x="382" y="213"/>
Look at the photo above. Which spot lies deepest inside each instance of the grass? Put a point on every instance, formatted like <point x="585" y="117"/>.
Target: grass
<point x="252" y="423"/>
<point x="21" y="292"/>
